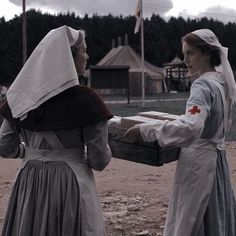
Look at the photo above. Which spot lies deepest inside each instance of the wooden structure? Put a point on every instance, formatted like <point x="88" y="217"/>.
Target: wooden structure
<point x="110" y="80"/>
<point x="177" y="75"/>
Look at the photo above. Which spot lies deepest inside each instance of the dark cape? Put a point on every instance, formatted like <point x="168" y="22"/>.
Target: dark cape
<point x="75" y="107"/>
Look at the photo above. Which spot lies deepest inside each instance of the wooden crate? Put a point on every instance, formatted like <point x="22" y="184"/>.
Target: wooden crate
<point x="141" y="152"/>
<point x="129" y="121"/>
<point x="158" y="115"/>
<point x="152" y="114"/>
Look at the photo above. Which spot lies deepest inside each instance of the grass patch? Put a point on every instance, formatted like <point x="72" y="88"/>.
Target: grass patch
<point x="175" y="107"/>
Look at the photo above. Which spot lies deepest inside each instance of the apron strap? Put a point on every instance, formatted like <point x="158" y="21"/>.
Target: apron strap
<point x="53" y="140"/>
<point x="49" y="136"/>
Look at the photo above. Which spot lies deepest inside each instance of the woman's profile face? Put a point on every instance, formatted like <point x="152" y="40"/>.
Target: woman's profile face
<point x="196" y="61"/>
<point x="81" y="58"/>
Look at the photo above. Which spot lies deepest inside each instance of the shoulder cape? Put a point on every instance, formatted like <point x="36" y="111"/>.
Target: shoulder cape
<point x="76" y="107"/>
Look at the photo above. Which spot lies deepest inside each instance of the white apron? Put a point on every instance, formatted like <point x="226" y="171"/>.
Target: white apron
<point x="92" y="222"/>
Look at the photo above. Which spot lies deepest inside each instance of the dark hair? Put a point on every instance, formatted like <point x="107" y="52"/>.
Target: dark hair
<point x="73" y="51"/>
<point x="204" y="47"/>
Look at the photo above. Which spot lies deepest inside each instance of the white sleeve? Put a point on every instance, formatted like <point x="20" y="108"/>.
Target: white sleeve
<point x="180" y="132"/>
<point x="185" y="130"/>
<point x="96" y="139"/>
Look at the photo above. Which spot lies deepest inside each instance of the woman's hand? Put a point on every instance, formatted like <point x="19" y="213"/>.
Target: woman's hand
<point x="133" y="134"/>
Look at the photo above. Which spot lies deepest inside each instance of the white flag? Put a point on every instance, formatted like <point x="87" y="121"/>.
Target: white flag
<point x="138" y="16"/>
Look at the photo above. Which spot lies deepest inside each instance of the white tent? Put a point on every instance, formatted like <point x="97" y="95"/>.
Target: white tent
<point x="125" y="55"/>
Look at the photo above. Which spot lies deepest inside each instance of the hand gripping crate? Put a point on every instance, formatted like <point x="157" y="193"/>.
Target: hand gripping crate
<point x="141" y="152"/>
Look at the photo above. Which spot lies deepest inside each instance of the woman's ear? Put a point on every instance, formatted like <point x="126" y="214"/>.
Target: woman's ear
<point x="207" y="55"/>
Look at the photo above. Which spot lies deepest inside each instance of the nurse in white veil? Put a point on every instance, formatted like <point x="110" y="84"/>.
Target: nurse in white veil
<point x="202" y="202"/>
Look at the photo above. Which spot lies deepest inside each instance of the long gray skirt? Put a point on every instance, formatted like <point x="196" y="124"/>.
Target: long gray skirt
<point x="45" y="201"/>
<point x="220" y="215"/>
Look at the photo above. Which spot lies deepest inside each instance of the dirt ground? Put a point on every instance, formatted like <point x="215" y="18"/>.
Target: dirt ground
<point x="134" y="196"/>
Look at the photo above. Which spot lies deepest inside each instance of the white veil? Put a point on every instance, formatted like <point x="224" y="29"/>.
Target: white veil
<point x="209" y="37"/>
<point x="49" y="70"/>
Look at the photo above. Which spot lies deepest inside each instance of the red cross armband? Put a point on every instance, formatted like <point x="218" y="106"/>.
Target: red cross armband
<point x="194" y="110"/>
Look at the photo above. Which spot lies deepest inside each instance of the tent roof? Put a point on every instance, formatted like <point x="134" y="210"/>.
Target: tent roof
<point x="125" y="55"/>
<point x="175" y="61"/>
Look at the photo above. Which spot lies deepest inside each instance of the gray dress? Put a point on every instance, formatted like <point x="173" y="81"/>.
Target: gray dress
<point x="54" y="192"/>
<point x="202" y="202"/>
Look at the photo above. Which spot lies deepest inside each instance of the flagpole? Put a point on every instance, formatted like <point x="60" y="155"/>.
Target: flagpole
<point x="24" y="34"/>
<point x="142" y="55"/>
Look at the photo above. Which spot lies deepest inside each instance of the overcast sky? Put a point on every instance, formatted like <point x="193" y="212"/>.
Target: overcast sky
<point x="223" y="10"/>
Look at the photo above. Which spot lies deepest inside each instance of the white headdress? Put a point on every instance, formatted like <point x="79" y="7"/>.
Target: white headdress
<point x="49" y="70"/>
<point x="209" y="37"/>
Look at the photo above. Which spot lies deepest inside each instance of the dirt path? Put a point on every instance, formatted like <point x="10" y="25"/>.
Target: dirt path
<point x="134" y="197"/>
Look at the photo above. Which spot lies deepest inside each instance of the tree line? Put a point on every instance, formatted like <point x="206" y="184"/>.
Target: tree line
<point x="162" y="38"/>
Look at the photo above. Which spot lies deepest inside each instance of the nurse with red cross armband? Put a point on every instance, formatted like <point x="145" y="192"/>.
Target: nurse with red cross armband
<point x="202" y="201"/>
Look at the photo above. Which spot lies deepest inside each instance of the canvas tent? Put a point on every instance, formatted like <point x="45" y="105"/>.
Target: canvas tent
<point x="126" y="56"/>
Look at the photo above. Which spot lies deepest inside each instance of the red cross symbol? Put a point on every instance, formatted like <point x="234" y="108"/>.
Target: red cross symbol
<point x="194" y="110"/>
